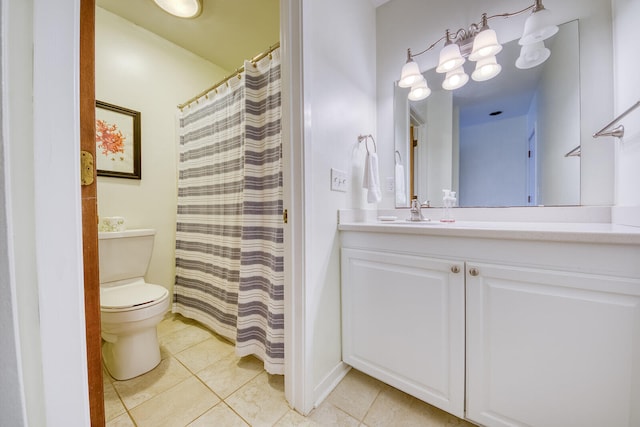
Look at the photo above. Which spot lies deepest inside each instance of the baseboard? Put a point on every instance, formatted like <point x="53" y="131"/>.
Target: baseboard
<point x="329" y="382"/>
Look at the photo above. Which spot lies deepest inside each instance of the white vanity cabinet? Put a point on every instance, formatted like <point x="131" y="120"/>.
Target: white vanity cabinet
<point x="548" y="348"/>
<point x="536" y="329"/>
<point x="403" y="323"/>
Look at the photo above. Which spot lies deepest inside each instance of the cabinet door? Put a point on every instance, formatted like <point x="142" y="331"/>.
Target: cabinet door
<point x="403" y="323"/>
<point x="547" y="348"/>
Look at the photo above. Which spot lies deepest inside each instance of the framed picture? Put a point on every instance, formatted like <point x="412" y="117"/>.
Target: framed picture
<point x="117" y="141"/>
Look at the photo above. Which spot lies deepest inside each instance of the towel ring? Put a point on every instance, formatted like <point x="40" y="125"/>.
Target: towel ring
<point x="365" y="138"/>
<point x="398" y="158"/>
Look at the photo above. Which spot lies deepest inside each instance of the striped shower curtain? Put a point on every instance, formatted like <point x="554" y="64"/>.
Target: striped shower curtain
<point x="229" y="247"/>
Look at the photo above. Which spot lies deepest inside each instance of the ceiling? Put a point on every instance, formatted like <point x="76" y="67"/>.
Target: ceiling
<point x="226" y="33"/>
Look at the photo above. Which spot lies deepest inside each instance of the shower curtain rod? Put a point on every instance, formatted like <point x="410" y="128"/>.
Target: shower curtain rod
<point x="237" y="72"/>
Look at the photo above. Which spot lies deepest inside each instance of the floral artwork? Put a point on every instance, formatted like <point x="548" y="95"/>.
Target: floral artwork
<point x="117" y="141"/>
<point x="110" y="139"/>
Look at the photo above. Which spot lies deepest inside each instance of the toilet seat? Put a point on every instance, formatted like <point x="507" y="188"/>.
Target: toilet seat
<point x="133" y="296"/>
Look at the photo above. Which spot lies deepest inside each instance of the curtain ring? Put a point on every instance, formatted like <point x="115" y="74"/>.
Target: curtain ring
<point x="398" y="158"/>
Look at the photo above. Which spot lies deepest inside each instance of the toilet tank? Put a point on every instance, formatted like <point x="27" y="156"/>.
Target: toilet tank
<point x="124" y="254"/>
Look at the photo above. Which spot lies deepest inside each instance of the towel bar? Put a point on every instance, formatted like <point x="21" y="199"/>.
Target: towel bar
<point x="365" y="138"/>
<point x="618" y="131"/>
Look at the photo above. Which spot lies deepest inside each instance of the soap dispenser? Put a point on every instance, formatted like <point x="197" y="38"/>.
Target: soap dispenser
<point x="448" y="201"/>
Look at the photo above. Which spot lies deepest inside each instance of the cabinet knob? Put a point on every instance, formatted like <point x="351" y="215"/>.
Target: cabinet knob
<point x="455" y="269"/>
<point x="474" y="271"/>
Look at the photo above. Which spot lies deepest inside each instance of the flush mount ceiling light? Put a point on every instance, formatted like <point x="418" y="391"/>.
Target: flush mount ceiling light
<point x="480" y="44"/>
<point x="181" y="8"/>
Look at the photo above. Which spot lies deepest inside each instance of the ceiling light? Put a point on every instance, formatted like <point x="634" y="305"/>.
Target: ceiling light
<point x="480" y="44"/>
<point x="181" y="8"/>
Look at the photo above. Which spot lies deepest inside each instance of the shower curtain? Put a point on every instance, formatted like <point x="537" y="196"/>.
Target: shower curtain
<point x="229" y="234"/>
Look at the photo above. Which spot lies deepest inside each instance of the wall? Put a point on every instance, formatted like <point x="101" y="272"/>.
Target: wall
<point x="415" y="24"/>
<point x="138" y="70"/>
<point x="339" y="104"/>
<point x="40" y="122"/>
<point x="627" y="93"/>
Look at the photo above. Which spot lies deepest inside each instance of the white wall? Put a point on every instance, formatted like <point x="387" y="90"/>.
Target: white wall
<point x="415" y="24"/>
<point x="339" y="96"/>
<point x="138" y="70"/>
<point x="627" y="93"/>
<point x="40" y="128"/>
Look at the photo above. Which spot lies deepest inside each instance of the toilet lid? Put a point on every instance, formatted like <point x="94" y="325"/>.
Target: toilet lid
<point x="133" y="295"/>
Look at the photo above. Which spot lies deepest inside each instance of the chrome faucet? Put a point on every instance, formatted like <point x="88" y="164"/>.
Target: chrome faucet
<point x="416" y="210"/>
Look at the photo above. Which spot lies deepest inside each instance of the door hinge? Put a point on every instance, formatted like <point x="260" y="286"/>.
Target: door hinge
<point x="285" y="216"/>
<point x="86" y="168"/>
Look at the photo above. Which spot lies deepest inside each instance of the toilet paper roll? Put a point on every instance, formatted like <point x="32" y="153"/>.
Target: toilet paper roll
<point x="112" y="224"/>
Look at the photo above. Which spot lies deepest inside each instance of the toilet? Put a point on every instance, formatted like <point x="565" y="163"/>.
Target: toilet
<point x="130" y="308"/>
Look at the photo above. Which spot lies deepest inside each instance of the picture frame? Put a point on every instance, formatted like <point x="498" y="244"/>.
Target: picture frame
<point x="118" y="151"/>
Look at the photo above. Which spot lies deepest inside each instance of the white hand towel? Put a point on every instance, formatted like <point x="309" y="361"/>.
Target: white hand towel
<point x="401" y="196"/>
<point x="371" y="181"/>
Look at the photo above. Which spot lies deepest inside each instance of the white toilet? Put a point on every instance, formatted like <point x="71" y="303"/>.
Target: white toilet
<point x="130" y="309"/>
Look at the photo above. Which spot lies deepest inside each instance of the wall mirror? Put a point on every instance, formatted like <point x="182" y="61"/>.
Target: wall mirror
<point x="497" y="143"/>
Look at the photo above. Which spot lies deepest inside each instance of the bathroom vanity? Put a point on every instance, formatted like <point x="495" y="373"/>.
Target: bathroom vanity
<point x="504" y="324"/>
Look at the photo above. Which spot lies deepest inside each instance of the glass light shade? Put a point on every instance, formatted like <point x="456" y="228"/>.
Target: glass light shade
<point x="538" y="27"/>
<point x="485" y="44"/>
<point x="532" y="55"/>
<point x="410" y="74"/>
<point x="419" y="90"/>
<point x="450" y="58"/>
<point x="486" y="68"/>
<point x="181" y="8"/>
<point x="455" y="79"/>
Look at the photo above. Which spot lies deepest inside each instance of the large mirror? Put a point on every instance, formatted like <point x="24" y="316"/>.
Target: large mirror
<point x="501" y="142"/>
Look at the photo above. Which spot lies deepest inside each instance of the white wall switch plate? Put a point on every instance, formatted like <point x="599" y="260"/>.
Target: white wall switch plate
<point x="391" y="184"/>
<point x="339" y="180"/>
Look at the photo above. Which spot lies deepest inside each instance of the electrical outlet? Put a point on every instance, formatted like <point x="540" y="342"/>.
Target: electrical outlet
<point x="339" y="180"/>
<point x="391" y="184"/>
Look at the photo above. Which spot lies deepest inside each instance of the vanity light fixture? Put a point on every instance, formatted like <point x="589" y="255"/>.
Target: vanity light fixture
<point x="479" y="43"/>
<point x="419" y="90"/>
<point x="181" y="8"/>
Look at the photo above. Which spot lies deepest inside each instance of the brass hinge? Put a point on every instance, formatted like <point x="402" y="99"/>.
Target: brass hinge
<point x="86" y="168"/>
<point x="285" y="216"/>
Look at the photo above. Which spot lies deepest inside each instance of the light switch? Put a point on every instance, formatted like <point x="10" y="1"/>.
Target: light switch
<point x="339" y="180"/>
<point x="391" y="184"/>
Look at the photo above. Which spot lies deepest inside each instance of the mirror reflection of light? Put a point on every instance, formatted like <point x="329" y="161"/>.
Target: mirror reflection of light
<point x="486" y="68"/>
<point x="419" y="90"/>
<point x="455" y="79"/>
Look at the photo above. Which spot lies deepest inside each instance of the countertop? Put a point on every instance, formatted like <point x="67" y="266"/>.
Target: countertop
<point x="587" y="232"/>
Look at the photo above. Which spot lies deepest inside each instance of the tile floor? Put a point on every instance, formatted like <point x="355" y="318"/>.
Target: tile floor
<point x="201" y="382"/>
